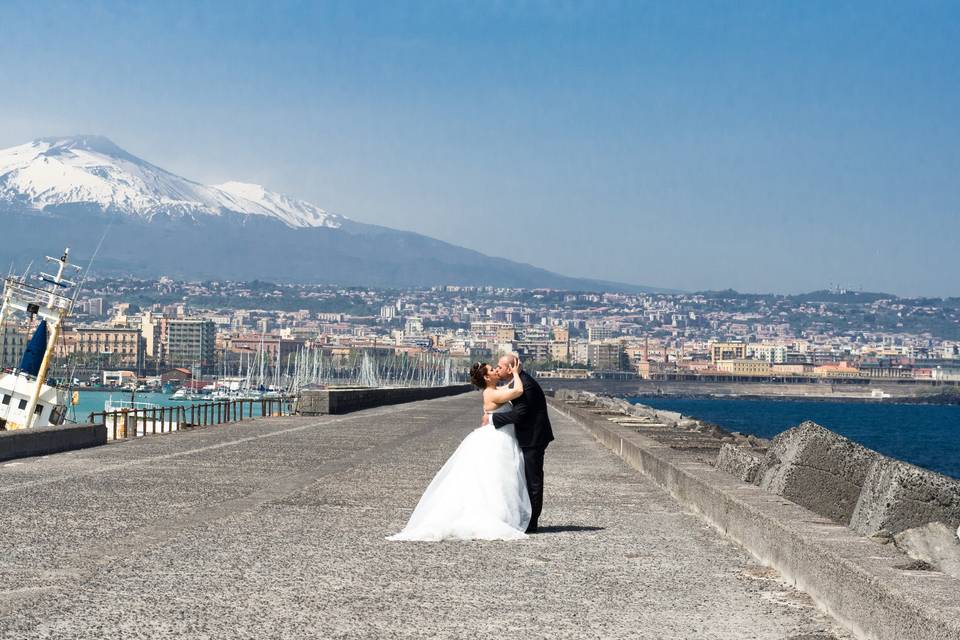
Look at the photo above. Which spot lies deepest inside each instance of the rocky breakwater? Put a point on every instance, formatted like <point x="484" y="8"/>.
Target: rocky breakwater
<point x="886" y="500"/>
<point x="877" y="496"/>
<point x="705" y="441"/>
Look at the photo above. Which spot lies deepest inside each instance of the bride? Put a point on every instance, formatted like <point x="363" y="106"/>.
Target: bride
<point x="480" y="493"/>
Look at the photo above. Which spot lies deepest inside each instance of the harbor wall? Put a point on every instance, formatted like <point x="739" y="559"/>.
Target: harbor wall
<point x="869" y="584"/>
<point x="25" y="443"/>
<point x="891" y="390"/>
<point x="315" y="402"/>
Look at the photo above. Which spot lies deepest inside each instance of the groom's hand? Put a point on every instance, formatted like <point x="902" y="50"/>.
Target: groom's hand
<point x="486" y="420"/>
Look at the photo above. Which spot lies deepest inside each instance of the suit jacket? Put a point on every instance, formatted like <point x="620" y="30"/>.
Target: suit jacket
<point x="528" y="416"/>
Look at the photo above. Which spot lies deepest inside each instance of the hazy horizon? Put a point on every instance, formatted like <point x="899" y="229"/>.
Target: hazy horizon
<point x="761" y="147"/>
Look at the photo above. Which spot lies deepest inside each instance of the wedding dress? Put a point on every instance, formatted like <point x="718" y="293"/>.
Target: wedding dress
<point x="480" y="493"/>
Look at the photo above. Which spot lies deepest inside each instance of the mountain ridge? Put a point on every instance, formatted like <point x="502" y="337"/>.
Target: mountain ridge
<point x="69" y="189"/>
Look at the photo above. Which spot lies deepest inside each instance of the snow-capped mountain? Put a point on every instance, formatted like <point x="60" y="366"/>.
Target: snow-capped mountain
<point x="92" y="170"/>
<point x="74" y="191"/>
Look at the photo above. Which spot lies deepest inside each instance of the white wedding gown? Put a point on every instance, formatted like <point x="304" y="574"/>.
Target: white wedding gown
<point x="480" y="493"/>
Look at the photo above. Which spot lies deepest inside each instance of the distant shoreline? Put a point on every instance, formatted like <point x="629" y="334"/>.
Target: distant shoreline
<point x="893" y="393"/>
<point x="917" y="400"/>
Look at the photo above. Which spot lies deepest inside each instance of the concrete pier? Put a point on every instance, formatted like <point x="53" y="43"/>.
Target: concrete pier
<point x="275" y="529"/>
<point x="876" y="589"/>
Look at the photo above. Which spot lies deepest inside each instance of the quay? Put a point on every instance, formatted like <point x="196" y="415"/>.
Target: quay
<point x="274" y="528"/>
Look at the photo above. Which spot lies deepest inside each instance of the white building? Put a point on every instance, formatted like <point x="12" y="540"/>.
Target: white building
<point x="599" y="333"/>
<point x="773" y="353"/>
<point x="413" y="326"/>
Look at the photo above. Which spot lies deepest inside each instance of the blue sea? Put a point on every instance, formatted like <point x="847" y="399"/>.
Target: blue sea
<point x="925" y="435"/>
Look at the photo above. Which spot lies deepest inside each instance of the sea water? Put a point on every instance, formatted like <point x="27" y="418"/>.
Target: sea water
<point x="925" y="435"/>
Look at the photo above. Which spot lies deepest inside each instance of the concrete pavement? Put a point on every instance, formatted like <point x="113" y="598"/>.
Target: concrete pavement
<point x="274" y="529"/>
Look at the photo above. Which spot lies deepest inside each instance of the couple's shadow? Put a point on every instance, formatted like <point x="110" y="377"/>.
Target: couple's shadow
<point x="565" y="528"/>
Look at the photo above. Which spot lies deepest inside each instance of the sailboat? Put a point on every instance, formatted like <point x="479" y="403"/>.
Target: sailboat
<point x="26" y="399"/>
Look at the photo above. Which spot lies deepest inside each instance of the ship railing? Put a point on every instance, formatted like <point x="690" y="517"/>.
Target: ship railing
<point x="16" y="371"/>
<point x="138" y="422"/>
<point x="28" y="294"/>
<point x="61" y="388"/>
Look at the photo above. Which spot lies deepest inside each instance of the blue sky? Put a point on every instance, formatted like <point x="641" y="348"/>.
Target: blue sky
<point x="764" y="146"/>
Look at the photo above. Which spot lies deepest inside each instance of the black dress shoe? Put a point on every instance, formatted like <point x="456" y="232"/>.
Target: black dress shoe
<point x="531" y="529"/>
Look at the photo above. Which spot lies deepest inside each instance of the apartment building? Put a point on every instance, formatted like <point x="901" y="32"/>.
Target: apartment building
<point x="107" y="346"/>
<point x="190" y="342"/>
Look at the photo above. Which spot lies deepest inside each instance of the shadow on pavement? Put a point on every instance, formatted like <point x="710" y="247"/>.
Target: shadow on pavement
<point x="563" y="528"/>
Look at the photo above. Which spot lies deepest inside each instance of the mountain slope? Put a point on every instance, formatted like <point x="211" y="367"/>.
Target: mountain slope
<point x="69" y="191"/>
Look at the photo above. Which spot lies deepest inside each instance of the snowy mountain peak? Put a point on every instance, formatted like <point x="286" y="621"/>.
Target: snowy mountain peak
<point x="95" y="143"/>
<point x="92" y="170"/>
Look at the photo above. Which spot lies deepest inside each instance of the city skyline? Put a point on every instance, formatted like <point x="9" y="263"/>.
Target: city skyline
<point x="141" y="326"/>
<point x="761" y="148"/>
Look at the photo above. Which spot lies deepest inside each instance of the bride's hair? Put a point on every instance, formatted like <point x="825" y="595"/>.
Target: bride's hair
<point x="478" y="374"/>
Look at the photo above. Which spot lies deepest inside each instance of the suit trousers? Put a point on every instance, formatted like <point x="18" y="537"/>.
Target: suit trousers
<point x="533" y="469"/>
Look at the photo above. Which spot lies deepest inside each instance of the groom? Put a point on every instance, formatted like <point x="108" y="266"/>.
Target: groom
<point x="532" y="425"/>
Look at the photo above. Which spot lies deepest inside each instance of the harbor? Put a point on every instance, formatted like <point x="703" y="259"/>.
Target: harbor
<point x="299" y="426"/>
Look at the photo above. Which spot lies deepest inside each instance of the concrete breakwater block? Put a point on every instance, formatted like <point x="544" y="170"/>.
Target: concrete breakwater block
<point x="669" y="416"/>
<point x="935" y="543"/>
<point x="722" y="434"/>
<point x="568" y="395"/>
<point x="608" y="403"/>
<point x="642" y="411"/>
<point x="817" y="469"/>
<point x="741" y="463"/>
<point x="898" y="496"/>
<point x="575" y="396"/>
<point x="613" y="404"/>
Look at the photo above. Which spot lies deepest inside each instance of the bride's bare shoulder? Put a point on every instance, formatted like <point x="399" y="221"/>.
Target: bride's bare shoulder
<point x="488" y="403"/>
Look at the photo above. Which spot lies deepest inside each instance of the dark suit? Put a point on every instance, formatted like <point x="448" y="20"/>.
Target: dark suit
<point x="532" y="425"/>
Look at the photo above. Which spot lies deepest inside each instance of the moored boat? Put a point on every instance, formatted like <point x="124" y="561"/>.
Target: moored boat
<point x="130" y="405"/>
<point x="27" y="398"/>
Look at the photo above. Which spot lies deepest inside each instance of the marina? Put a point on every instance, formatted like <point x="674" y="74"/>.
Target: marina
<point x="143" y="416"/>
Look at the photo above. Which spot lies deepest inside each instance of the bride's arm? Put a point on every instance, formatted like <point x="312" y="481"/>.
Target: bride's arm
<point x="506" y="394"/>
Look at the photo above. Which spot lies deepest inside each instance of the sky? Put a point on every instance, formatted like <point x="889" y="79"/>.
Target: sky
<point x="763" y="146"/>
